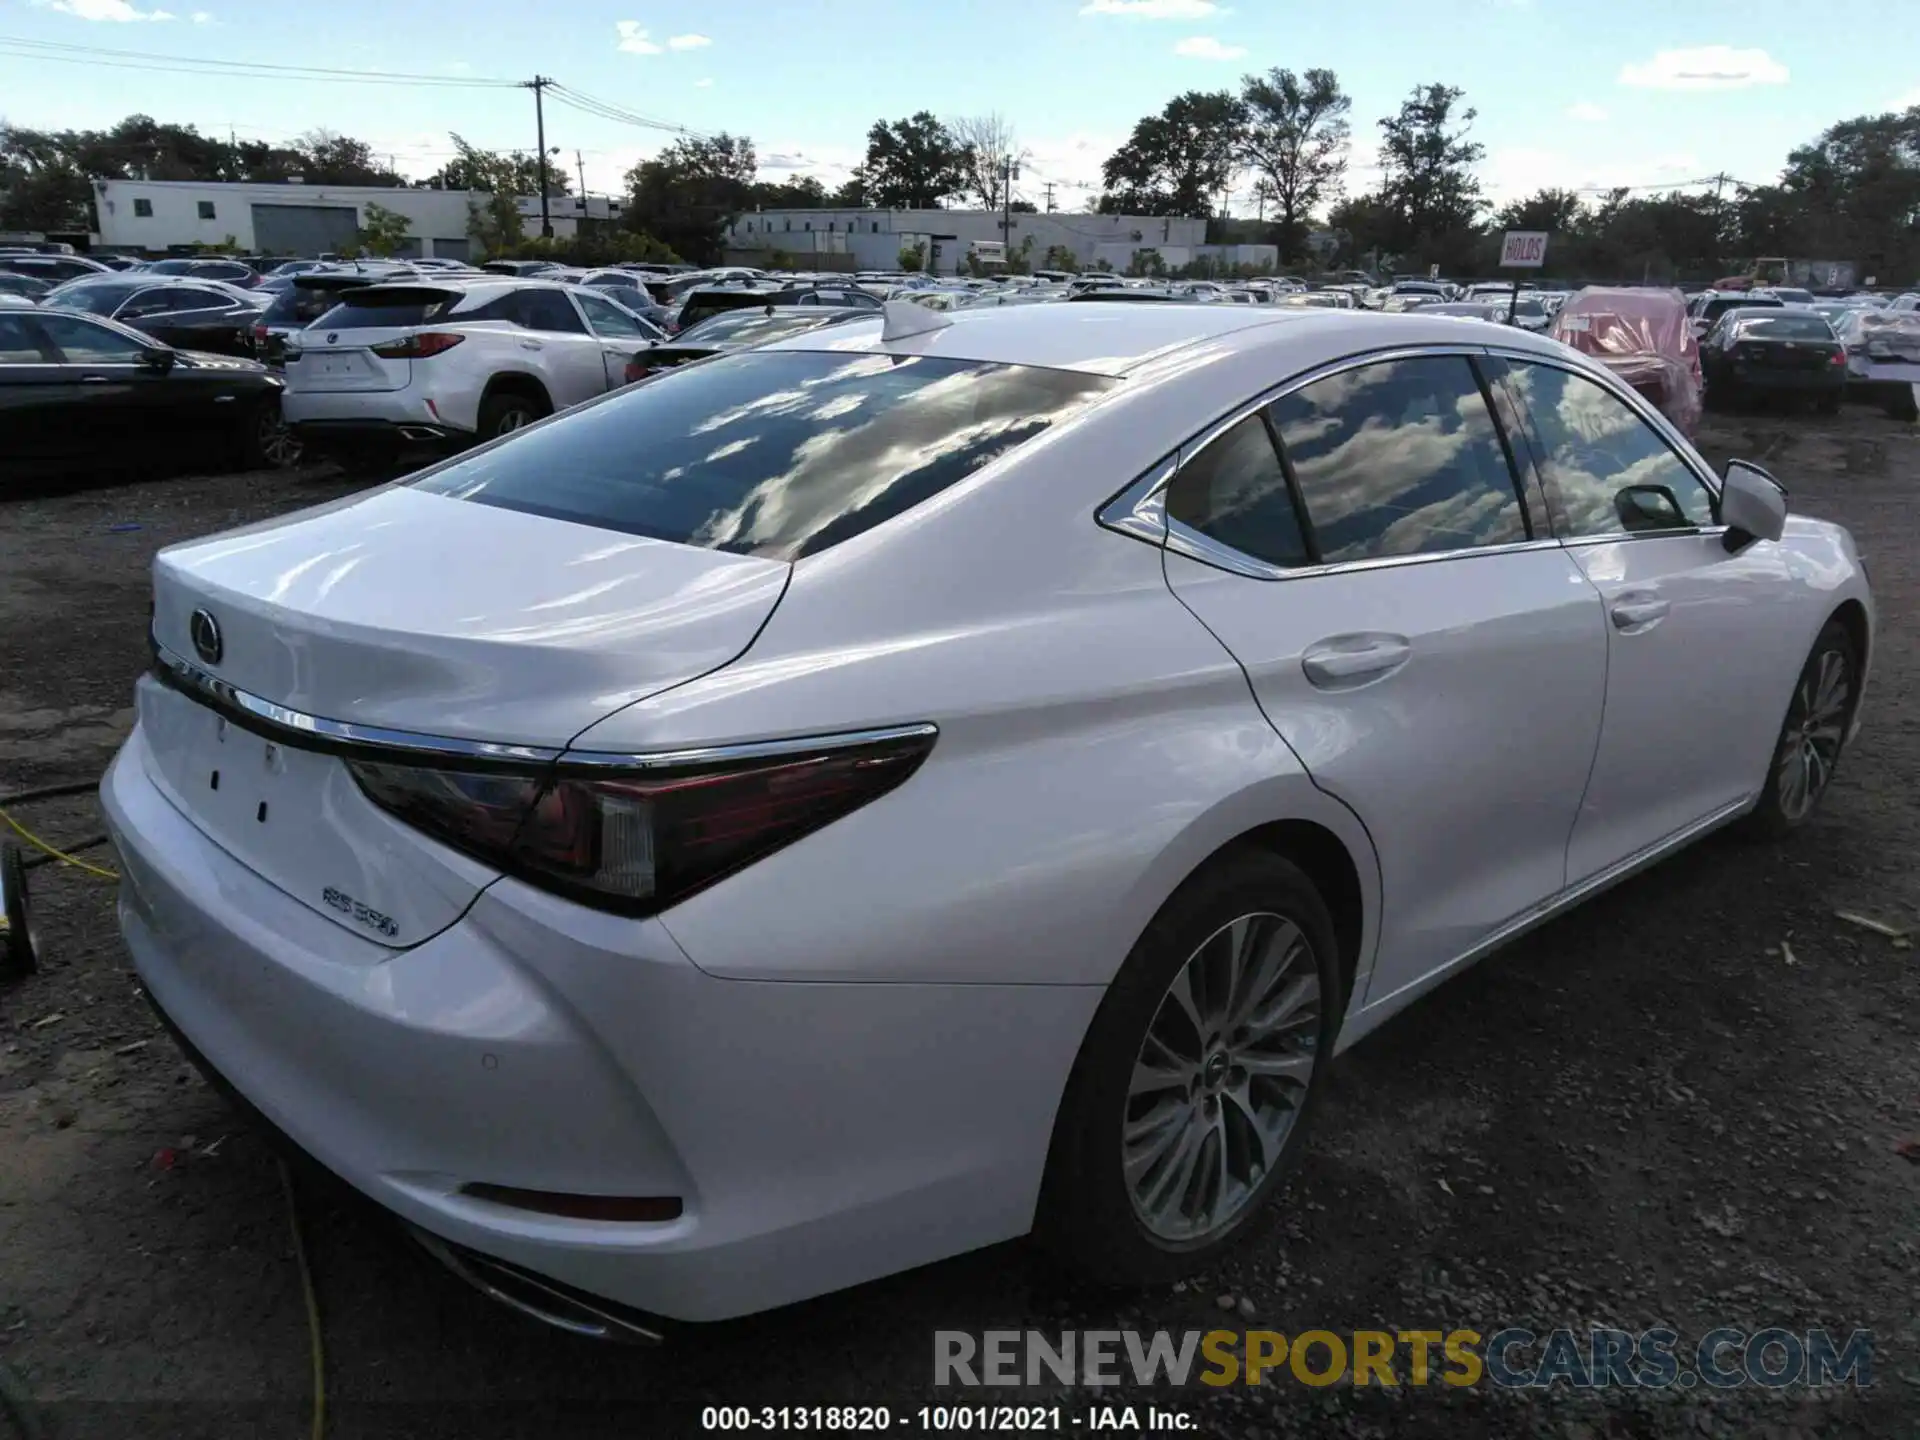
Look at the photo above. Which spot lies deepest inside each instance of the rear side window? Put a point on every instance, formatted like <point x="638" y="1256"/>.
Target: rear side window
<point x="1234" y="491"/>
<point x="1399" y="458"/>
<point x="778" y="454"/>
<point x="17" y="343"/>
<point x="551" y="311"/>
<point x="386" y="307"/>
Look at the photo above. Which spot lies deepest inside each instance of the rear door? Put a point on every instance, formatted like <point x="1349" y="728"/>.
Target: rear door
<point x="563" y="349"/>
<point x="40" y="429"/>
<point x="1695" y="689"/>
<point x="1409" y="627"/>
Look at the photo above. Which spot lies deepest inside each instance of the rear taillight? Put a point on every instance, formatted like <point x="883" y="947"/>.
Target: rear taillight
<point x="260" y="336"/>
<point x="417" y="347"/>
<point x="1837" y="357"/>
<point x="636" y="371"/>
<point x="640" y="838"/>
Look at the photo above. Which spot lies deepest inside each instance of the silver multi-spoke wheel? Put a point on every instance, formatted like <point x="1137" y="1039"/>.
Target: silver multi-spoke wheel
<point x="1221" y="1077"/>
<point x="276" y="442"/>
<point x="1816" y="727"/>
<point x="515" y="418"/>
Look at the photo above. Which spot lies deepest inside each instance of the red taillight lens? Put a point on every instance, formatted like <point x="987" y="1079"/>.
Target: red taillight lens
<point x="636" y="371"/>
<point x="1838" y="357"/>
<point x="417" y="347"/>
<point x="260" y="335"/>
<point x="642" y="837"/>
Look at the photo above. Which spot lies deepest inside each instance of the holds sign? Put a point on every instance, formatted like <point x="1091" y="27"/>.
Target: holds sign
<point x="1523" y="249"/>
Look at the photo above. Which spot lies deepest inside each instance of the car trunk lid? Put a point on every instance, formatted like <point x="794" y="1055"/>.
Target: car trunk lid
<point x="408" y="612"/>
<point x="339" y="351"/>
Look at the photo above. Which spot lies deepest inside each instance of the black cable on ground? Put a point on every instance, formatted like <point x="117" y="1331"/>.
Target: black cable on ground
<point x="15" y="1405"/>
<point x="51" y="792"/>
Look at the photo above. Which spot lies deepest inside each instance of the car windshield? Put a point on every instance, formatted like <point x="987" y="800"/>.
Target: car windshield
<point x="779" y="454"/>
<point x="1783" y="327"/>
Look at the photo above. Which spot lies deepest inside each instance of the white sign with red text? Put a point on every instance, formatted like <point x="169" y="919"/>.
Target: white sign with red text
<point x="1523" y="250"/>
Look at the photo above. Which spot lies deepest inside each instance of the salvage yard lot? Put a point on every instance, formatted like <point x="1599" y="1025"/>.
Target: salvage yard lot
<point x="1679" y="1105"/>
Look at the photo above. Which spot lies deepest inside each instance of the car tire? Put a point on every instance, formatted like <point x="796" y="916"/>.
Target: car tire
<point x="1828" y="404"/>
<point x="505" y="411"/>
<point x="1129" y="1201"/>
<point x="269" y="443"/>
<point x="1812" y="736"/>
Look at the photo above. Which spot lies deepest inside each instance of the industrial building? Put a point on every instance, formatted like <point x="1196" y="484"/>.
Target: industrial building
<point x="295" y="219"/>
<point x="873" y="239"/>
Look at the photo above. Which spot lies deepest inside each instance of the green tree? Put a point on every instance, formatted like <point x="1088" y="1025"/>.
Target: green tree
<point x="497" y="172"/>
<point x="1059" y="257"/>
<point x="1176" y="162"/>
<point x="383" y="231"/>
<point x="1147" y="261"/>
<point x="327" y="158"/>
<point x="1293" y="135"/>
<point x="689" y="193"/>
<point x="1559" y="212"/>
<point x="912" y="164"/>
<point x="1427" y="162"/>
<point x="912" y="258"/>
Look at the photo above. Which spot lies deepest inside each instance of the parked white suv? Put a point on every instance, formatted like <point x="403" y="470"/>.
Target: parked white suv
<point x="443" y="364"/>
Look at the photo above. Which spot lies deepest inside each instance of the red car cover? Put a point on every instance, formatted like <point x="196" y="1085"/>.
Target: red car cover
<point x="1643" y="337"/>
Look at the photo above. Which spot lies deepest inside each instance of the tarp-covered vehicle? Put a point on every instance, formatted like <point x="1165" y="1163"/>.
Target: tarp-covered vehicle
<point x="1643" y="337"/>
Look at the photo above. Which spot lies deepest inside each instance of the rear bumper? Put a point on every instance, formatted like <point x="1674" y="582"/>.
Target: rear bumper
<point x="1828" y="380"/>
<point x="379" y="437"/>
<point x="818" y="1134"/>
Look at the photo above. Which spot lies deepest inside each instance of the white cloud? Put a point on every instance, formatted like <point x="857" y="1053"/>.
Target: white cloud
<point x="703" y="84"/>
<point x="118" y="11"/>
<point x="1586" y="110"/>
<point x="1705" y="67"/>
<point x="688" y="42"/>
<point x="633" y="38"/>
<point x="1205" y="47"/>
<point x="201" y="17"/>
<point x="1153" y="9"/>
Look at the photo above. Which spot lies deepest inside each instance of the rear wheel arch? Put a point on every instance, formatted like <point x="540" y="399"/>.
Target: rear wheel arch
<point x="1325" y="859"/>
<point x="1853" y="615"/>
<point x="516" y="382"/>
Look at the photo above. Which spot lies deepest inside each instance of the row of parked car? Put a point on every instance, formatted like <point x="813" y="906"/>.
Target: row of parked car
<point x="381" y="361"/>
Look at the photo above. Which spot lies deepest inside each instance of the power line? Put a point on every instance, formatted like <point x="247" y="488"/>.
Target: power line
<point x="247" y="69"/>
<point x="607" y="110"/>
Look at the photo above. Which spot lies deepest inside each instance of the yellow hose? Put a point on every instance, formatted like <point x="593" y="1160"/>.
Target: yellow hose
<point x="60" y="855"/>
<point x="315" y="1348"/>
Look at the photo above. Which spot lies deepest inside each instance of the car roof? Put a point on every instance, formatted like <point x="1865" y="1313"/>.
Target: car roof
<point x="1119" y="339"/>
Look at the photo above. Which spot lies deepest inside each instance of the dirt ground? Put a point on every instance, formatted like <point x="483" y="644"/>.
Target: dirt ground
<point x="1680" y="1105"/>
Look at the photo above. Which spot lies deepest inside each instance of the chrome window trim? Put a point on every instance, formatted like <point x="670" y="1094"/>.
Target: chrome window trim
<point x="1141" y="509"/>
<point x="302" y="731"/>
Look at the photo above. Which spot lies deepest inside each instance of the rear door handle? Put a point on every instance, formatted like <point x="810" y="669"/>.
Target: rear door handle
<point x="1346" y="661"/>
<point x="531" y="345"/>
<point x="1638" y="612"/>
<point x="96" y="379"/>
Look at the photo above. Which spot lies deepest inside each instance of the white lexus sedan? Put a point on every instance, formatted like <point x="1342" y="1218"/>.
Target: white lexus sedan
<point x="934" y="779"/>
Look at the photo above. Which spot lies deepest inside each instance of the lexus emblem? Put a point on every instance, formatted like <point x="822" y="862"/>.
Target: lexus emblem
<point x="205" y="633"/>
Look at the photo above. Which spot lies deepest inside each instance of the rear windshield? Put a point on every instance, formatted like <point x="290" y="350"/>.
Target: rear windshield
<point x="778" y="454"/>
<point x="699" y="307"/>
<point x="1784" y="327"/>
<point x="96" y="299"/>
<point x="752" y="327"/>
<point x="1719" y="306"/>
<point x="303" y="304"/>
<point x="391" y="305"/>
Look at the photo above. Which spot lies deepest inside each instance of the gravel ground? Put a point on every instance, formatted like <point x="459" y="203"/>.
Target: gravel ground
<point x="1681" y="1106"/>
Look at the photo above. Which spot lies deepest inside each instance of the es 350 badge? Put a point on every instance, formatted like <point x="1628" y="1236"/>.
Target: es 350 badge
<point x="364" y="914"/>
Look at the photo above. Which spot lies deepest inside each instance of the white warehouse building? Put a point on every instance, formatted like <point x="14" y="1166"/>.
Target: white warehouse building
<point x="874" y="238"/>
<point x="296" y="219"/>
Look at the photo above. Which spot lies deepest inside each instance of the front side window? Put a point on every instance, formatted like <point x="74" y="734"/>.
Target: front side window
<point x="779" y="454"/>
<point x="17" y="343"/>
<point x="609" y="319"/>
<point x="1234" y="491"/>
<point x="1595" y="448"/>
<point x="1399" y="458"/>
<point x="82" y="342"/>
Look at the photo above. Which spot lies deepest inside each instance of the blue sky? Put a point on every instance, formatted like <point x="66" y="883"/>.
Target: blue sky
<point x="1570" y="92"/>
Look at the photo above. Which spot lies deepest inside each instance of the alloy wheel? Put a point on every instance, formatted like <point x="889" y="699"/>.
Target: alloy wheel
<point x="513" y="419"/>
<point x="278" y="446"/>
<point x="1221" y="1077"/>
<point x="1816" y="726"/>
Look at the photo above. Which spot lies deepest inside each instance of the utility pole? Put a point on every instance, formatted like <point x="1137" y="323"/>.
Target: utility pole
<point x="1049" y="197"/>
<point x="581" y="166"/>
<point x="538" y="85"/>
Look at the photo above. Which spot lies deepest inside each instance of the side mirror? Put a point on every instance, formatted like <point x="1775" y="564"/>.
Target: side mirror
<point x="157" y="358"/>
<point x="1753" y="505"/>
